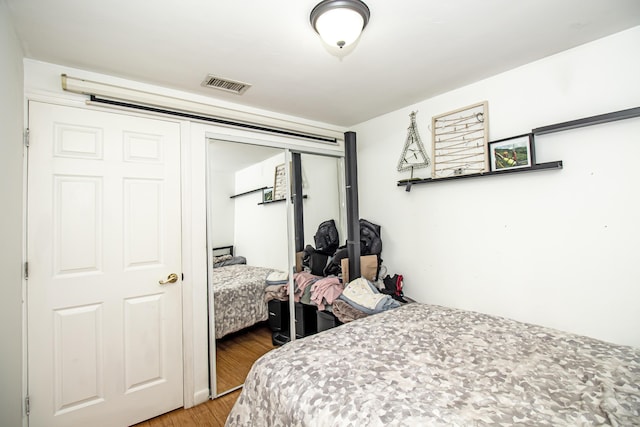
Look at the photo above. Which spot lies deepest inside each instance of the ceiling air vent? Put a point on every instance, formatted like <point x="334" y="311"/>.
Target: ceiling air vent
<point x="225" y="84"/>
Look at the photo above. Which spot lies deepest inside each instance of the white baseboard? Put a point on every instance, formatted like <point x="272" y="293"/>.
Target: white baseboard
<point x="200" y="396"/>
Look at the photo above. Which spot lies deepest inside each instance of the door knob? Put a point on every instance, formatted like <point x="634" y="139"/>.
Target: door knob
<point x="172" y="278"/>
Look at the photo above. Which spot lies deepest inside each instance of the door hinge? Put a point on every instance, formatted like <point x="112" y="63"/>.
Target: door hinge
<point x="27" y="405"/>
<point x="26" y="137"/>
<point x="26" y="270"/>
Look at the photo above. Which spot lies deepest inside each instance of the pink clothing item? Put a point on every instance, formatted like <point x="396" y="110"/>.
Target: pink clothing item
<point x="326" y="290"/>
<point x="302" y="280"/>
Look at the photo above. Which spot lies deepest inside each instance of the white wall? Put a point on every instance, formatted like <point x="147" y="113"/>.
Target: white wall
<point x="260" y="232"/>
<point x="222" y="207"/>
<point x="557" y="248"/>
<point x="11" y="161"/>
<point x="321" y="182"/>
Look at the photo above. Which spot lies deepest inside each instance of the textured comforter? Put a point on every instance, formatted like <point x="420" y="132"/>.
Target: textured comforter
<point x="424" y="365"/>
<point x="238" y="296"/>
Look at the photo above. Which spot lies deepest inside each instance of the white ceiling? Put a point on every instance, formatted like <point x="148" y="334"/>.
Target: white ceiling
<point x="410" y="51"/>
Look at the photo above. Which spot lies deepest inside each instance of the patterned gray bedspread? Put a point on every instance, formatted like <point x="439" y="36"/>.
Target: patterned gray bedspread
<point x="238" y="295"/>
<point x="424" y="365"/>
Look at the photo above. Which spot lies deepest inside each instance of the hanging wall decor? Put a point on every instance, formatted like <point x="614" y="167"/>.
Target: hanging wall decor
<point x="279" y="183"/>
<point x="414" y="156"/>
<point x="460" y="141"/>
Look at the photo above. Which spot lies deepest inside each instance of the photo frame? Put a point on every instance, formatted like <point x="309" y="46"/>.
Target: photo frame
<point x="512" y="153"/>
<point x="267" y="194"/>
<point x="279" y="183"/>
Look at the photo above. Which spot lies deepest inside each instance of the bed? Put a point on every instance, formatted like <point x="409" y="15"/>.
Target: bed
<point x="426" y="365"/>
<point x="238" y="292"/>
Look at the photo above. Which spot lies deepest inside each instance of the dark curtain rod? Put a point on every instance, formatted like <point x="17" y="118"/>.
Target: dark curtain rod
<point x="212" y="119"/>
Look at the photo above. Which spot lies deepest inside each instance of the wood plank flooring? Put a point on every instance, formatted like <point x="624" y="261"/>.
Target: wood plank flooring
<point x="236" y="354"/>
<point x="212" y="413"/>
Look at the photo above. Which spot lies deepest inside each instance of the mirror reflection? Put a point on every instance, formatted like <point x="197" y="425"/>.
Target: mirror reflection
<point x="320" y="180"/>
<point x="323" y="182"/>
<point x="248" y="247"/>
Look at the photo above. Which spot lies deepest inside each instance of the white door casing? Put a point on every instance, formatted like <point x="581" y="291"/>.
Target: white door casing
<point x="103" y="228"/>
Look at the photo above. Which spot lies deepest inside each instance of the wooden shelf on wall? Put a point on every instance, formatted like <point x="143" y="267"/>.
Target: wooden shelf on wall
<point x="558" y="127"/>
<point x="589" y="121"/>
<point x="268" y="202"/>
<point x="535" y="168"/>
<point x="248" y="192"/>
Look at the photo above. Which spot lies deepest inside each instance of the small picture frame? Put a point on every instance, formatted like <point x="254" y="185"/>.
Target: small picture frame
<point x="267" y="195"/>
<point x="512" y="153"/>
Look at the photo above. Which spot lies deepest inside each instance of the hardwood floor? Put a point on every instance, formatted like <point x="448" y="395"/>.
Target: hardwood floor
<point x="212" y="413"/>
<point x="235" y="356"/>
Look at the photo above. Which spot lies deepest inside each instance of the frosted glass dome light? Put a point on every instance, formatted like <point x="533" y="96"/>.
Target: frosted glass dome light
<point x="340" y="22"/>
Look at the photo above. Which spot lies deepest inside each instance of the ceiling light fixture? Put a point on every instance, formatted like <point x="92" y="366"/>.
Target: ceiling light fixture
<point x="340" y="22"/>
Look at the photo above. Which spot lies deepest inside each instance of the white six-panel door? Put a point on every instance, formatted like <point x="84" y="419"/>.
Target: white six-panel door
<point x="104" y="336"/>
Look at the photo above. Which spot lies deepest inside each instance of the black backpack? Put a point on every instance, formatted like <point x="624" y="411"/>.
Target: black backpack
<point x="326" y="238"/>
<point x="370" y="242"/>
<point x="314" y="260"/>
<point x="334" y="268"/>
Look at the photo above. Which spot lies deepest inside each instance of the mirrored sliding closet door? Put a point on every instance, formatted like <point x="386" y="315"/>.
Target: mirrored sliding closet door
<point x="320" y="180"/>
<point x="247" y="233"/>
<point x="265" y="205"/>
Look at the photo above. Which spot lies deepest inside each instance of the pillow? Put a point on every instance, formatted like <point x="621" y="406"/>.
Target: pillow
<point x="231" y="261"/>
<point x="368" y="268"/>
<point x="277" y="278"/>
<point x="220" y="258"/>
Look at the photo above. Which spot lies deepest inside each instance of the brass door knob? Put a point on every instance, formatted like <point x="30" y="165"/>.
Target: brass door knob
<point x="172" y="278"/>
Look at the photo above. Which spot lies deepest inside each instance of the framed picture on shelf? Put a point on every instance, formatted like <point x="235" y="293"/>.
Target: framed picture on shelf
<point x="512" y="153"/>
<point x="267" y="195"/>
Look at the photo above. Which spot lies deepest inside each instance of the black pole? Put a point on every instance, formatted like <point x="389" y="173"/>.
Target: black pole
<point x="353" y="222"/>
<point x="298" y="217"/>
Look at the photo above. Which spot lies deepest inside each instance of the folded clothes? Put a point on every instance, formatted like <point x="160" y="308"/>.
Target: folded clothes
<point x="277" y="278"/>
<point x="346" y="312"/>
<point x="279" y="292"/>
<point x="364" y="296"/>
